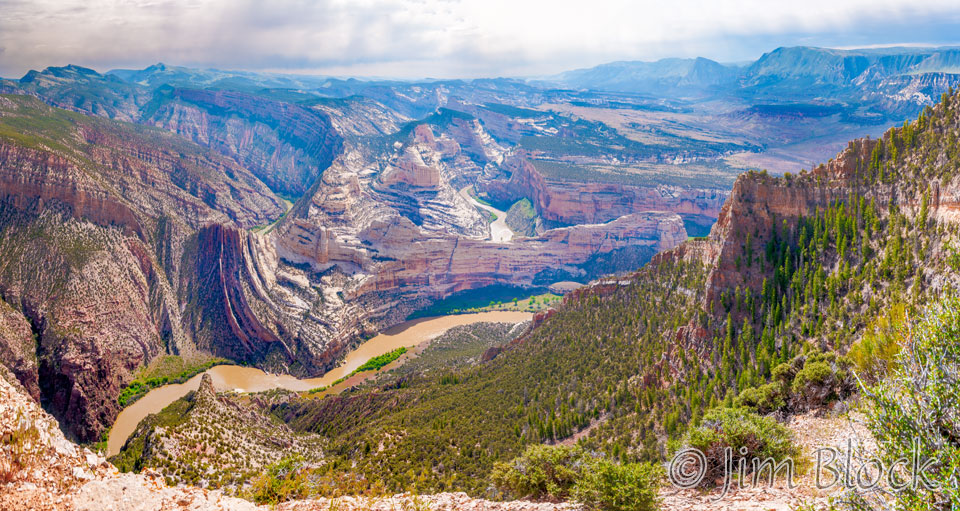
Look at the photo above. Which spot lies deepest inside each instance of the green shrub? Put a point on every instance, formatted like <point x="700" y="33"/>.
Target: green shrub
<point x="914" y="412"/>
<point x="542" y="472"/>
<point x="804" y="383"/>
<point x="764" y="399"/>
<point x="823" y="379"/>
<point x="816" y="373"/>
<point x="560" y="472"/>
<point x="282" y="481"/>
<point x="736" y="428"/>
<point x="876" y="352"/>
<point x="608" y="486"/>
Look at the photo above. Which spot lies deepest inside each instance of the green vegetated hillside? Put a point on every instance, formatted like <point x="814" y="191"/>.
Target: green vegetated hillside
<point x="213" y="441"/>
<point x="522" y="218"/>
<point x="795" y="266"/>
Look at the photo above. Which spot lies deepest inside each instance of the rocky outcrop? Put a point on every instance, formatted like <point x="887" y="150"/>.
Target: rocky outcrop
<point x="762" y="206"/>
<point x="380" y="238"/>
<point x="236" y="440"/>
<point x="759" y="204"/>
<point x="522" y="218"/>
<point x="223" y="318"/>
<point x="18" y="349"/>
<point x="31" y="178"/>
<point x="357" y="116"/>
<point x="568" y="203"/>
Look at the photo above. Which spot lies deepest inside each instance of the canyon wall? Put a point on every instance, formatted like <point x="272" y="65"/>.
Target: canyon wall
<point x="124" y="242"/>
<point x="381" y="236"/>
<point x="93" y="238"/>
<point x="285" y="145"/>
<point x="570" y="203"/>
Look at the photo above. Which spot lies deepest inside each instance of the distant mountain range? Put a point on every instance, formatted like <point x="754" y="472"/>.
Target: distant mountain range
<point x="796" y="71"/>
<point x="893" y="79"/>
<point x="665" y="74"/>
<point x="162" y="74"/>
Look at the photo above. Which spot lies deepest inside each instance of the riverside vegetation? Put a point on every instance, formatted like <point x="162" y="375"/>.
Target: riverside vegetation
<point x="171" y="369"/>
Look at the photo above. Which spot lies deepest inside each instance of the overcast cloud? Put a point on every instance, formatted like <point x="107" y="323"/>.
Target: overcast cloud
<point x="444" y="38"/>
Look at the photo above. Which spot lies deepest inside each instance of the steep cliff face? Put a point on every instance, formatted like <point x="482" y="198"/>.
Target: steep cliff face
<point x="422" y="177"/>
<point x="870" y="228"/>
<point x="90" y="304"/>
<point x="285" y="145"/>
<point x="396" y="258"/>
<point x="762" y="207"/>
<point x="18" y="349"/>
<point x="223" y="318"/>
<point x="95" y="217"/>
<point x="568" y="203"/>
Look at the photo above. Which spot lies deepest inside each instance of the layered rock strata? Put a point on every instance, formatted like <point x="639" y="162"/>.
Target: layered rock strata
<point x="97" y="223"/>
<point x="570" y="203"/>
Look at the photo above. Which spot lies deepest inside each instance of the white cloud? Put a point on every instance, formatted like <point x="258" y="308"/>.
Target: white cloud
<point x="415" y="37"/>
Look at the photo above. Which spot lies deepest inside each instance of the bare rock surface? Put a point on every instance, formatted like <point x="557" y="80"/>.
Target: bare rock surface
<point x="574" y="202"/>
<point x="95" y="221"/>
<point x="385" y="232"/>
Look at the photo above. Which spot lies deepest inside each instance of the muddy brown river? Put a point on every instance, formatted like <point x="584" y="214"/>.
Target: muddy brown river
<point x="248" y="379"/>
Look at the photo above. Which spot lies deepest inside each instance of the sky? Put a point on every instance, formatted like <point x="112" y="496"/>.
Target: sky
<point x="445" y="38"/>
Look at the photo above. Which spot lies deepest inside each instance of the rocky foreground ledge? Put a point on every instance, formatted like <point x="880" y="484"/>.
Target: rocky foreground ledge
<point x="42" y="470"/>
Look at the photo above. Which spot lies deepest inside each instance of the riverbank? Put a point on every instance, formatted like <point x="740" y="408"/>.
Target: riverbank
<point x="499" y="231"/>
<point x="410" y="334"/>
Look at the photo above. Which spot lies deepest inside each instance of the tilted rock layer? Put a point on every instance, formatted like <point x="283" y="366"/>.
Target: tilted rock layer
<point x="125" y="242"/>
<point x="97" y="219"/>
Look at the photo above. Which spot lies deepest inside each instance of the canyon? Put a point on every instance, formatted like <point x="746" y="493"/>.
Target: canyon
<point x="172" y="224"/>
<point x="280" y="228"/>
<point x="143" y="221"/>
<point x="570" y="202"/>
